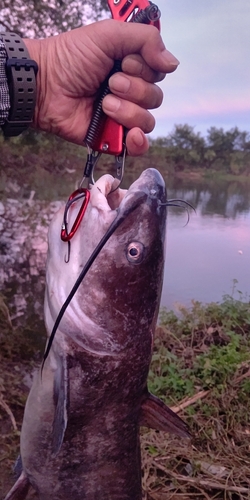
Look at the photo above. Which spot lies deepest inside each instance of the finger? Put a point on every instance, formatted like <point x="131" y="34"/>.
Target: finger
<point x="122" y="39"/>
<point x="134" y="89"/>
<point x="136" y="142"/>
<point x="135" y="65"/>
<point x="128" y="114"/>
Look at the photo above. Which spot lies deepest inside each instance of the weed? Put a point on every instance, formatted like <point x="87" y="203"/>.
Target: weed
<point x="216" y="367"/>
<point x="206" y="349"/>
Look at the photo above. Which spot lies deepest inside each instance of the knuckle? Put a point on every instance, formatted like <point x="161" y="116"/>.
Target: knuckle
<point x="159" y="98"/>
<point x="153" y="32"/>
<point x="132" y="115"/>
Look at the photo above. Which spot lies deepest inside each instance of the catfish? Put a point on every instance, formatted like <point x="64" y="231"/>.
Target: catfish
<point x="80" y="432"/>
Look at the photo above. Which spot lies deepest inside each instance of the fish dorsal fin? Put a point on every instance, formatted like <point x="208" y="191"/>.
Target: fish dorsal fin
<point x="156" y="415"/>
<point x="20" y="489"/>
<point x="61" y="389"/>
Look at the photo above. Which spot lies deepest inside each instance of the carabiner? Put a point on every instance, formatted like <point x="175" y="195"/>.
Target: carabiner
<point x="75" y="196"/>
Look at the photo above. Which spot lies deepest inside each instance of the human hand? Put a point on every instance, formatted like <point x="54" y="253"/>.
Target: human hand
<point x="73" y="65"/>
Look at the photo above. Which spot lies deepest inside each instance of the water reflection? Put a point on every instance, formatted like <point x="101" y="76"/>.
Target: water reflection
<point x="206" y="256"/>
<point x="210" y="196"/>
<point x="227" y="199"/>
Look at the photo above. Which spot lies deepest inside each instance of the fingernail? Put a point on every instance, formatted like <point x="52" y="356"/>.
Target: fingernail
<point x="170" y="58"/>
<point x="119" y="83"/>
<point x="112" y="103"/>
<point x="138" y="138"/>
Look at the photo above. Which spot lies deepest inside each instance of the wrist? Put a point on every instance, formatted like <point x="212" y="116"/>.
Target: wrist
<point x="33" y="47"/>
<point x="42" y="52"/>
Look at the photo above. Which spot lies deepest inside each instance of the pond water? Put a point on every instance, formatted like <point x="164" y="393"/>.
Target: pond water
<point x="206" y="258"/>
<point x="209" y="256"/>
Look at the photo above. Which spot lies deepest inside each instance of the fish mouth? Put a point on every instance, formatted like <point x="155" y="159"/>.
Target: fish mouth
<point x="149" y="185"/>
<point x="103" y="194"/>
<point x="107" y="202"/>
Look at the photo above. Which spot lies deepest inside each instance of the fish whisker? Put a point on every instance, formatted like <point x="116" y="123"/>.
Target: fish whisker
<point x="177" y="202"/>
<point x="173" y="201"/>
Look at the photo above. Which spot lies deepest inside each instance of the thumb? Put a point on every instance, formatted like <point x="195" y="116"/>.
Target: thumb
<point x="118" y="39"/>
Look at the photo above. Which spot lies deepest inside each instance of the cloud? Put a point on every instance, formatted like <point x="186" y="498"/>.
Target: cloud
<point x="210" y="107"/>
<point x="212" y="41"/>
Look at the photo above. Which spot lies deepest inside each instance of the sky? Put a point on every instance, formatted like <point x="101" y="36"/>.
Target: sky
<point x="211" y="87"/>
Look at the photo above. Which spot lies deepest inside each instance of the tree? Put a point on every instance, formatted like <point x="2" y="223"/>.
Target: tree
<point x="186" y="147"/>
<point x="223" y="142"/>
<point x="42" y="18"/>
<point x="242" y="142"/>
<point x="230" y="148"/>
<point x="184" y="137"/>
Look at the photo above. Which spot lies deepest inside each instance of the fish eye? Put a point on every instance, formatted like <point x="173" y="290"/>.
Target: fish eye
<point x="135" y="252"/>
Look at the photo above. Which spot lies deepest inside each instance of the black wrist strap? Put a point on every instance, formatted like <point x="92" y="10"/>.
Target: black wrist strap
<point x="21" y="74"/>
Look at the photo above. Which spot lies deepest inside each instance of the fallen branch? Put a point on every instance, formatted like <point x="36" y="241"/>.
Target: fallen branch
<point x="213" y="484"/>
<point x="242" y="377"/>
<point x="202" y="482"/>
<point x="188" y="402"/>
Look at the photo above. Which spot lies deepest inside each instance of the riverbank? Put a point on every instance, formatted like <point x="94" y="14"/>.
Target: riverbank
<point x="200" y="367"/>
<point x="51" y="167"/>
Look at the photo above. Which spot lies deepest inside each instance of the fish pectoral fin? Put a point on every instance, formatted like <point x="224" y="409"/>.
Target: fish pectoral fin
<point x="20" y="489"/>
<point x="61" y="389"/>
<point x="156" y="415"/>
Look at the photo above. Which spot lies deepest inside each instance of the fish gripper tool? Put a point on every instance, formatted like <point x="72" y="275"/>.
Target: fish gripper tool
<point x="104" y="135"/>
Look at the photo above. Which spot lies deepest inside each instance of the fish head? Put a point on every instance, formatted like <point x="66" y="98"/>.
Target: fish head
<point x="116" y="305"/>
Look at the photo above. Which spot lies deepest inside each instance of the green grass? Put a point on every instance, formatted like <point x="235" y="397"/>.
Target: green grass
<point x="203" y="350"/>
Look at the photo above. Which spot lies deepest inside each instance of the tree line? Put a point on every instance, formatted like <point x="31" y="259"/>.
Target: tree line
<point x="225" y="151"/>
<point x="185" y="149"/>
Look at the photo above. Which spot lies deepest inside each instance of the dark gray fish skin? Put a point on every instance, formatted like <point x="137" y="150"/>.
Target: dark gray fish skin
<point x="80" y="434"/>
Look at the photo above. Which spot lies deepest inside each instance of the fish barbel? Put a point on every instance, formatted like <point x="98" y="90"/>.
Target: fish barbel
<point x="80" y="433"/>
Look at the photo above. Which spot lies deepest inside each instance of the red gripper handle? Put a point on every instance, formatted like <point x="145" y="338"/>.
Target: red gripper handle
<point x="112" y="136"/>
<point x="123" y="10"/>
